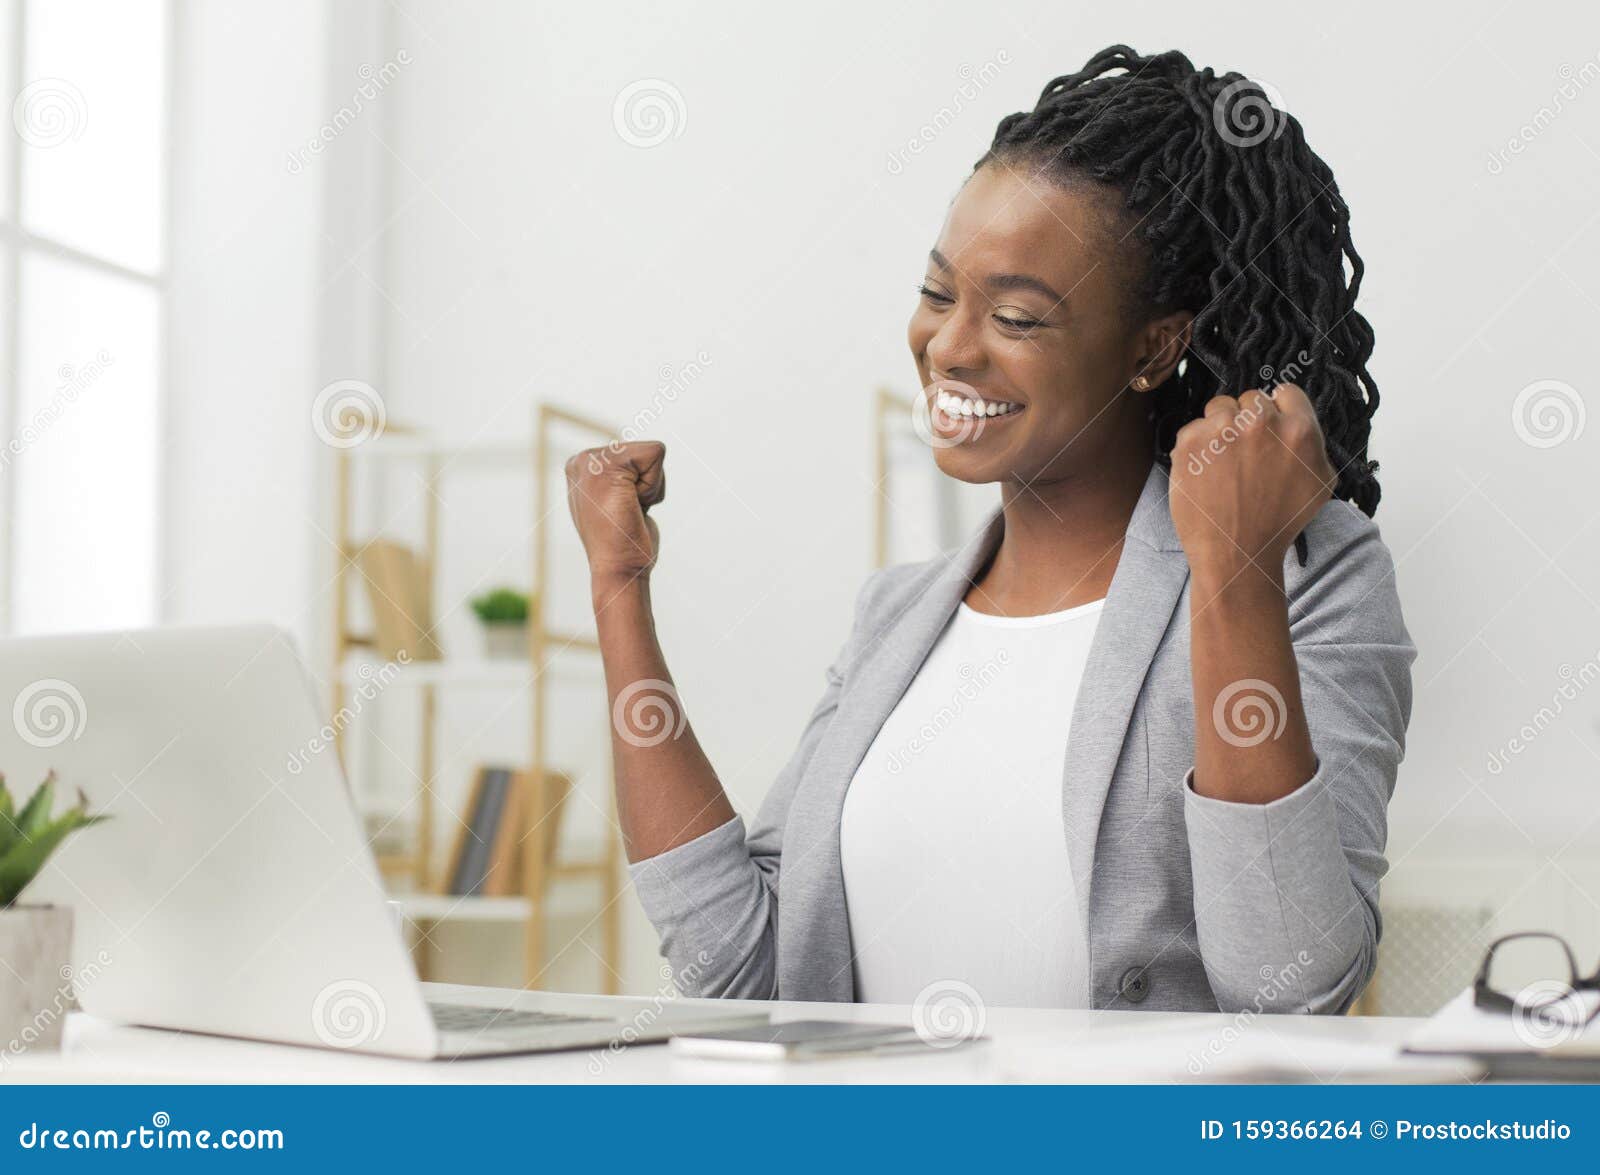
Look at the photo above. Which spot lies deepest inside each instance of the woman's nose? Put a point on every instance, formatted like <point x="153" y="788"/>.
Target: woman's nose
<point x="956" y="345"/>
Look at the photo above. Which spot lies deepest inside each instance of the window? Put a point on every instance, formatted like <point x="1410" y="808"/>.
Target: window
<point x="83" y="291"/>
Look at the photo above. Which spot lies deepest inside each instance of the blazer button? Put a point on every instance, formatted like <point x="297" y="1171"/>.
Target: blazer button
<point x="1134" y="985"/>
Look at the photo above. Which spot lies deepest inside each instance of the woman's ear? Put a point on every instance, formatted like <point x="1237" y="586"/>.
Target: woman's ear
<point x="1162" y="343"/>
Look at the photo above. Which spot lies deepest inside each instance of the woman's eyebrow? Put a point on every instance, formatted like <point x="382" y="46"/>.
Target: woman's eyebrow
<point x="1004" y="281"/>
<point x="1022" y="281"/>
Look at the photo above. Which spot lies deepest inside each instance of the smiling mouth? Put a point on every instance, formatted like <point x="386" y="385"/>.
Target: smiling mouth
<point x="958" y="408"/>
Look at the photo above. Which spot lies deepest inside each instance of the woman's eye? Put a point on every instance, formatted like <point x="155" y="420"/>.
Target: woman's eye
<point x="934" y="295"/>
<point x="1017" y="323"/>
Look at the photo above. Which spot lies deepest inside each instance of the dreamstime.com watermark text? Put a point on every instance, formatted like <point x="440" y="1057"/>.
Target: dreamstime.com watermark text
<point x="374" y="680"/>
<point x="1573" y="683"/>
<point x="973" y="683"/>
<point x="43" y="1026"/>
<point x="1276" y="984"/>
<point x="373" y="81"/>
<point x="639" y="1023"/>
<point x="160" y="1135"/>
<point x="73" y="382"/>
<point x="974" y="80"/>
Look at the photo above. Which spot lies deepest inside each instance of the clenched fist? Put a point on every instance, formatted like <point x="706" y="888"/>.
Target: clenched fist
<point x="609" y="492"/>
<point x="1247" y="477"/>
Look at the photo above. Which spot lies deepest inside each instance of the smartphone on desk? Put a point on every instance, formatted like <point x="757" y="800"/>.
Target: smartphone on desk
<point x="798" y="1040"/>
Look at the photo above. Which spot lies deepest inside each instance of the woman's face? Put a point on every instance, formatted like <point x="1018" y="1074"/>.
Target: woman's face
<point x="1022" y="307"/>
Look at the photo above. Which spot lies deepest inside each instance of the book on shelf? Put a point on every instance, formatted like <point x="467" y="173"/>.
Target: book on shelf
<point x="400" y="592"/>
<point x="491" y="792"/>
<point x="500" y="826"/>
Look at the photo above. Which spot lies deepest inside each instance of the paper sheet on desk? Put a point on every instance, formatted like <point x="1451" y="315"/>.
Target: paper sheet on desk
<point x="1267" y="1048"/>
<point x="1463" y="1027"/>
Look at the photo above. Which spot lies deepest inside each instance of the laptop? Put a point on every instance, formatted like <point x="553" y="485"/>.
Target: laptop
<point x="233" y="892"/>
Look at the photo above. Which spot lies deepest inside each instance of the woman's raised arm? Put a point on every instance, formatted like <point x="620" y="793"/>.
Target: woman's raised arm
<point x="667" y="791"/>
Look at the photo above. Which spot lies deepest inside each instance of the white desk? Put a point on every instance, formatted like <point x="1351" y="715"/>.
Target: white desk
<point x="1026" y="1045"/>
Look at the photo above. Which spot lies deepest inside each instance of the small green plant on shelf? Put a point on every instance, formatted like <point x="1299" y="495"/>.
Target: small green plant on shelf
<point x="503" y="605"/>
<point x="29" y="836"/>
<point x="504" y="612"/>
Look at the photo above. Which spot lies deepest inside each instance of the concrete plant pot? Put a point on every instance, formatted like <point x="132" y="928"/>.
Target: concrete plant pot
<point x="35" y="987"/>
<point x="505" y="642"/>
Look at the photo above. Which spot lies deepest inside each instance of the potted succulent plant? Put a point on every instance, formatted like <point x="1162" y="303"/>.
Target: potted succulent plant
<point x="504" y="613"/>
<point x="35" y="941"/>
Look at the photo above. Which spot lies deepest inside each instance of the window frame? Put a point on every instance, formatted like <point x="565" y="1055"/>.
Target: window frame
<point x="18" y="243"/>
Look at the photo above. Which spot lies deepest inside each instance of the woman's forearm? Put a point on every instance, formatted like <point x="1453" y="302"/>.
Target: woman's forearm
<point x="667" y="791"/>
<point x="1247" y="477"/>
<point x="1252" y="744"/>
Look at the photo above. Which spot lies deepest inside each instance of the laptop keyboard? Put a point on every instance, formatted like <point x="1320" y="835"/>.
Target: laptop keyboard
<point x="469" y="1018"/>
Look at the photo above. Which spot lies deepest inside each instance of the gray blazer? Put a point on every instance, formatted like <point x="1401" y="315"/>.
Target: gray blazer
<point x="1190" y="902"/>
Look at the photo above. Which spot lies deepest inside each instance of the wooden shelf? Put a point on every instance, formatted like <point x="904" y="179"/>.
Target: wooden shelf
<point x="536" y="457"/>
<point x="470" y="673"/>
<point x="404" y="447"/>
<point x="432" y="907"/>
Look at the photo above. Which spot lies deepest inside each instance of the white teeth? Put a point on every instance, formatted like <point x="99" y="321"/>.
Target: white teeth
<point x="953" y="405"/>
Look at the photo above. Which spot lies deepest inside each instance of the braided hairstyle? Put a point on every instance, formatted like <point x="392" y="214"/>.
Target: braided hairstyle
<point x="1229" y="215"/>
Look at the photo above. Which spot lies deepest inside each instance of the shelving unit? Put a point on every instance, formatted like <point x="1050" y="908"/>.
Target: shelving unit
<point x="894" y="431"/>
<point x="889" y="410"/>
<point x="426" y="904"/>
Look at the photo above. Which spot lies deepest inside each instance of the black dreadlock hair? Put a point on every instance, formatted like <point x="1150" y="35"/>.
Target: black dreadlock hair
<point x="1234" y="218"/>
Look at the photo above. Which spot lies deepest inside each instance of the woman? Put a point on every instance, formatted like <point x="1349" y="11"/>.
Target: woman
<point x="1133" y="744"/>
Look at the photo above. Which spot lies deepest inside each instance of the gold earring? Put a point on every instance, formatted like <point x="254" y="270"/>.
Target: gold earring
<point x="1142" y="383"/>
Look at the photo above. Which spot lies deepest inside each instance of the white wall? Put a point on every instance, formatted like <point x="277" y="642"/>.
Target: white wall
<point x="521" y="250"/>
<point x="240" y="457"/>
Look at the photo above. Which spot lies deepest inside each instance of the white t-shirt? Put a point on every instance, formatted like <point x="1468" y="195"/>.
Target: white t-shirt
<point x="952" y="843"/>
